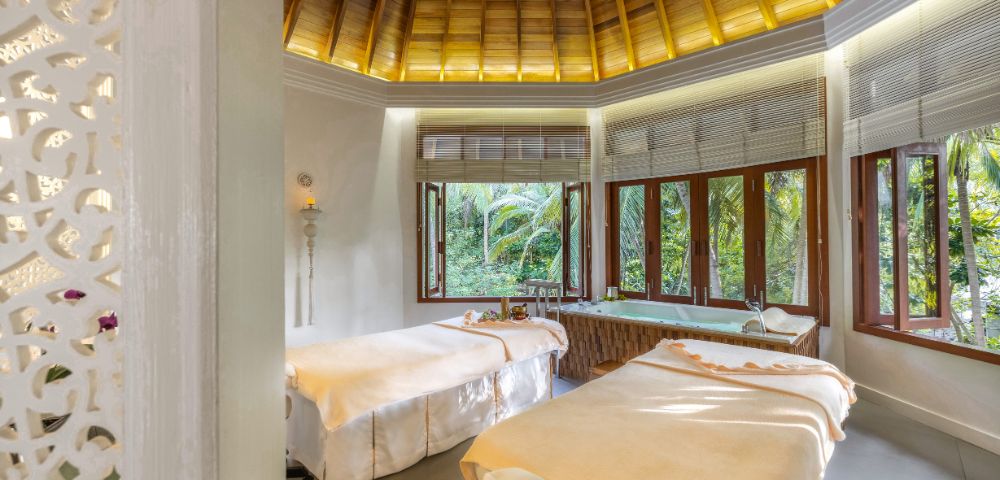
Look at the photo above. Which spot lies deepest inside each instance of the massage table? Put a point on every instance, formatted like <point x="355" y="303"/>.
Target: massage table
<point x="370" y="406"/>
<point x="685" y="410"/>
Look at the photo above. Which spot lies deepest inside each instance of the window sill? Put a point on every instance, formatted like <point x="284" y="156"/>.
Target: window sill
<point x="930" y="343"/>
<point x="488" y="299"/>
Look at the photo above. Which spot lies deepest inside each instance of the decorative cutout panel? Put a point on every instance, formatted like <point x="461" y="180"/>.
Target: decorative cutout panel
<point x="60" y="182"/>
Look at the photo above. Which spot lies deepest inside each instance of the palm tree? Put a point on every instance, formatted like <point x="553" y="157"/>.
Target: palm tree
<point x="533" y="211"/>
<point x="632" y="227"/>
<point x="480" y="196"/>
<point x="725" y="220"/>
<point x="964" y="150"/>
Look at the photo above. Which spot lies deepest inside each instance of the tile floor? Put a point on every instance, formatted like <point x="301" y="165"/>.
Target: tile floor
<point x="880" y="445"/>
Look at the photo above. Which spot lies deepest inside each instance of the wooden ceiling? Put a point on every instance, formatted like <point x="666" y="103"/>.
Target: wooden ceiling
<point x="523" y="40"/>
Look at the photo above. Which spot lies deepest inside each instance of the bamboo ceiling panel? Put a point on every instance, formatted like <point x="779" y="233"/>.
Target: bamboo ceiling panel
<point x="523" y="40"/>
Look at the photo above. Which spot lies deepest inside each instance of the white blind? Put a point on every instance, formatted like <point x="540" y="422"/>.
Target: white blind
<point x="503" y="145"/>
<point x="764" y="115"/>
<point x="928" y="71"/>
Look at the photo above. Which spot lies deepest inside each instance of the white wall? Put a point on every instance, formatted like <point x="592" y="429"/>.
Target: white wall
<point x="352" y="151"/>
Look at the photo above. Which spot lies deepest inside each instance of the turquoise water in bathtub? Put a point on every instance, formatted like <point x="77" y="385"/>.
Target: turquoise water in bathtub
<point x="707" y="318"/>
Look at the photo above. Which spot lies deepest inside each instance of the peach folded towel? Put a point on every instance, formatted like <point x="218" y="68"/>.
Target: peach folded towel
<point x="768" y="370"/>
<point x="522" y="338"/>
<point x="511" y="474"/>
<point x="779" y="321"/>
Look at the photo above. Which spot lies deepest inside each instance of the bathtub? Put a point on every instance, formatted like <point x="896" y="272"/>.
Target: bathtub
<point x="623" y="330"/>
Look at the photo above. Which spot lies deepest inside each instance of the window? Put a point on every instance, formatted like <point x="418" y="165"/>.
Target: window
<point x="483" y="240"/>
<point x="719" y="238"/>
<point x="927" y="233"/>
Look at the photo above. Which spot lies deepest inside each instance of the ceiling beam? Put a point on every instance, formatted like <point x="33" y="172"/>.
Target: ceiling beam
<point x="406" y="40"/>
<point x="832" y="3"/>
<point x="593" y="42"/>
<point x="623" y="21"/>
<point x="767" y="11"/>
<point x="555" y="41"/>
<point x="444" y="38"/>
<point x="290" y="20"/>
<point x="373" y="36"/>
<point x="338" y="22"/>
<point x="713" y="23"/>
<point x="482" y="37"/>
<point x="668" y="38"/>
<point x="517" y="8"/>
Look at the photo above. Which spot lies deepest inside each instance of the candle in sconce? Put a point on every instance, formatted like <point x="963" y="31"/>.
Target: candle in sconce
<point x="310" y="202"/>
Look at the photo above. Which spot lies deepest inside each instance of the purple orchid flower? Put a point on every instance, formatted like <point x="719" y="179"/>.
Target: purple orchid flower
<point x="108" y="322"/>
<point x="72" y="294"/>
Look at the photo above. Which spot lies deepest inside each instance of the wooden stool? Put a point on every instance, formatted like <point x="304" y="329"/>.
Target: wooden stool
<point x="604" y="368"/>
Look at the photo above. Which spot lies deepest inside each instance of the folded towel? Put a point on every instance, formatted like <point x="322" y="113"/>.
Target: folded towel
<point x="727" y="360"/>
<point x="765" y="369"/>
<point x="508" y="330"/>
<point x="778" y="321"/>
<point x="511" y="474"/>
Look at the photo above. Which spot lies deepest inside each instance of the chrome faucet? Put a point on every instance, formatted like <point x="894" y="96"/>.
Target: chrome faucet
<point x="754" y="306"/>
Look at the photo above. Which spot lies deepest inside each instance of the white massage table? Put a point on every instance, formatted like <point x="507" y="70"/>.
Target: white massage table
<point x="662" y="416"/>
<point x="366" y="407"/>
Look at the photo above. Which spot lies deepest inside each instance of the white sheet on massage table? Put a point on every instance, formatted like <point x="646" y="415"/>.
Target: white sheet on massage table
<point x="641" y="419"/>
<point x="407" y="431"/>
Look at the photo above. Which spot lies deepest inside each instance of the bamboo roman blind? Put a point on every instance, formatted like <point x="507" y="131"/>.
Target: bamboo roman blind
<point x="928" y="71"/>
<point x="764" y="115"/>
<point x="503" y="145"/>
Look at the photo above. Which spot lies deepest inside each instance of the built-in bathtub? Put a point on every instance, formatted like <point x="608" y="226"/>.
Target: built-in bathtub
<point x="622" y="330"/>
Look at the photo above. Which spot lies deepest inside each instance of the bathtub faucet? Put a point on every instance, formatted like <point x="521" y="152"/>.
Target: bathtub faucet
<point x="754" y="307"/>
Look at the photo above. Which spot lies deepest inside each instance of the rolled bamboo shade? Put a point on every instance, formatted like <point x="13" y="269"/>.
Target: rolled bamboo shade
<point x="502" y="145"/>
<point x="928" y="71"/>
<point x="768" y="114"/>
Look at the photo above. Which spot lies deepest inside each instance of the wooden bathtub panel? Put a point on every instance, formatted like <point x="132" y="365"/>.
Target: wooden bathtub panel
<point x="593" y="340"/>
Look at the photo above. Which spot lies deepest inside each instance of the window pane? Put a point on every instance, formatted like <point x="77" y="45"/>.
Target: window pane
<point x="886" y="229"/>
<point x="499" y="235"/>
<point x="726" y="269"/>
<point x="442" y="147"/>
<point x="430" y="247"/>
<point x="575" y="239"/>
<point x="483" y="148"/>
<point x="525" y="147"/>
<point x="921" y="236"/>
<point x="632" y="237"/>
<point x="786" y="237"/>
<point x="675" y="238"/>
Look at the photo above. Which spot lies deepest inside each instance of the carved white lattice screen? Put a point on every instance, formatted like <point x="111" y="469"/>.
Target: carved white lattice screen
<point x="60" y="218"/>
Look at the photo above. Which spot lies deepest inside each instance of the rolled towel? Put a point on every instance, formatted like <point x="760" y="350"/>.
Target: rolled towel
<point x="511" y="474"/>
<point x="779" y="321"/>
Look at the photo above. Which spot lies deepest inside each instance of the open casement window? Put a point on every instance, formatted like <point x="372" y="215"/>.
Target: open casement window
<point x="431" y="231"/>
<point x="718" y="238"/>
<point x="481" y="241"/>
<point x="902" y="226"/>
<point x="576" y="238"/>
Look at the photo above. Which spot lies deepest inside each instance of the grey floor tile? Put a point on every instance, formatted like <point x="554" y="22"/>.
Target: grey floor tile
<point x="979" y="464"/>
<point x="882" y="444"/>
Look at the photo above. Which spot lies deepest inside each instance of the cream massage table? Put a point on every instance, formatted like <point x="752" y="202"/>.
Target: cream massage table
<point x="685" y="410"/>
<point x="369" y="406"/>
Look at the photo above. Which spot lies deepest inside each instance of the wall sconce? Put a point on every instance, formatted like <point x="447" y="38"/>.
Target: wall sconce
<point x="310" y="213"/>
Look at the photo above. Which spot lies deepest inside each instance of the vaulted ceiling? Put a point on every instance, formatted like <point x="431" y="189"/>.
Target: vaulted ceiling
<point x="523" y="40"/>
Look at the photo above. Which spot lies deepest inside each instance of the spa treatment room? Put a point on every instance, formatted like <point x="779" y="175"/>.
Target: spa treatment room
<point x="500" y="239"/>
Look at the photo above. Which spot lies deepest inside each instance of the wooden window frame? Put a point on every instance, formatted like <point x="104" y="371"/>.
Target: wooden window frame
<point x="867" y="316"/>
<point x="423" y="296"/>
<point x="569" y="289"/>
<point x="434" y="287"/>
<point x="754" y="225"/>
